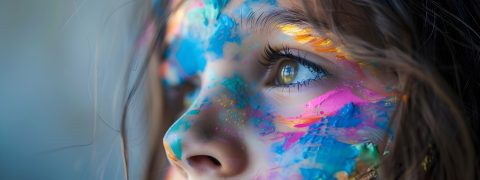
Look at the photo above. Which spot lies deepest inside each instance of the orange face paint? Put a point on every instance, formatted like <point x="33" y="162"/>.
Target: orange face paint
<point x="308" y="36"/>
<point x="169" y="151"/>
<point x="322" y="44"/>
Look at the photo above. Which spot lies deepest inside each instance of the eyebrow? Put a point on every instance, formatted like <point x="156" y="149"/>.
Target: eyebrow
<point x="294" y="18"/>
<point x="264" y="20"/>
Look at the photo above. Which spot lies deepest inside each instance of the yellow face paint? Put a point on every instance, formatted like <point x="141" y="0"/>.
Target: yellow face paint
<point x="301" y="35"/>
<point x="320" y="44"/>
<point x="308" y="36"/>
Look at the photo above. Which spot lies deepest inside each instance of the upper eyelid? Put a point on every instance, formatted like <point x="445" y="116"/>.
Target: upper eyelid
<point x="300" y="57"/>
<point x="311" y="57"/>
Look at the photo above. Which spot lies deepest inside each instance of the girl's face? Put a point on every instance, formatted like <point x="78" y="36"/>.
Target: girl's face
<point x="275" y="99"/>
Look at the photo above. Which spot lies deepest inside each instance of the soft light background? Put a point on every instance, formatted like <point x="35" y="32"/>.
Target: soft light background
<point x="62" y="71"/>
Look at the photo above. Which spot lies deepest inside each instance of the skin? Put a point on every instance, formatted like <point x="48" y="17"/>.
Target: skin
<point x="244" y="124"/>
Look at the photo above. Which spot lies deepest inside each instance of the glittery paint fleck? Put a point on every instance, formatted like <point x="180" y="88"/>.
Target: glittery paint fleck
<point x="237" y="90"/>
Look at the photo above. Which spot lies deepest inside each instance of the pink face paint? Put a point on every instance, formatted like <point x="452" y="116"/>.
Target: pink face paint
<point x="326" y="105"/>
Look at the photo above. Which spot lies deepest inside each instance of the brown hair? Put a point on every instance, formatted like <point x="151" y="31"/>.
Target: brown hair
<point x="432" y="46"/>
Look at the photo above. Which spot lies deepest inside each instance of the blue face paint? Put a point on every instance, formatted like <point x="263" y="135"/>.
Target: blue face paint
<point x="217" y="4"/>
<point x="237" y="90"/>
<point x="226" y="32"/>
<point x="322" y="151"/>
<point x="263" y="123"/>
<point x="339" y="121"/>
<point x="190" y="49"/>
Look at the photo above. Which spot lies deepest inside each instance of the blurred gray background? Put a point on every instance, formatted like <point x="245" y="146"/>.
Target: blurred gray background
<point x="62" y="71"/>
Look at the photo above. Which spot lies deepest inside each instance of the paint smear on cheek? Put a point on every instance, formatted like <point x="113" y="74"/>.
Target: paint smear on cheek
<point x="336" y="136"/>
<point x="327" y="150"/>
<point x="324" y="105"/>
<point x="261" y="120"/>
<point x="332" y="101"/>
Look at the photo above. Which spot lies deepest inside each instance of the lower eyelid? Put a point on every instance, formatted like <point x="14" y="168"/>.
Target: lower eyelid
<point x="316" y="71"/>
<point x="299" y="85"/>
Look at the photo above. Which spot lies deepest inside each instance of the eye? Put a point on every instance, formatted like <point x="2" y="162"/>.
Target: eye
<point x="297" y="72"/>
<point x="287" y="69"/>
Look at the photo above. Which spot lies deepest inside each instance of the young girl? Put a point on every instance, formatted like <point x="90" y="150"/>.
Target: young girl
<point x="287" y="89"/>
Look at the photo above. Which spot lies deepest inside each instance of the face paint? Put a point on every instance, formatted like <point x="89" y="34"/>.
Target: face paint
<point x="173" y="142"/>
<point x="212" y="26"/>
<point x="336" y="134"/>
<point x="321" y="44"/>
<point x="308" y="36"/>
<point x="324" y="105"/>
<point x="336" y="143"/>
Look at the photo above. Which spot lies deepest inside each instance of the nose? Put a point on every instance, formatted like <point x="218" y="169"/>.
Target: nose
<point x="202" y="145"/>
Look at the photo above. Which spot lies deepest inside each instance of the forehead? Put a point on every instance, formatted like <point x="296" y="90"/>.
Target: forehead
<point x="206" y="16"/>
<point x="202" y="31"/>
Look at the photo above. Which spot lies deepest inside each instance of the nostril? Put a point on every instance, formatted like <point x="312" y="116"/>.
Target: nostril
<point x="204" y="162"/>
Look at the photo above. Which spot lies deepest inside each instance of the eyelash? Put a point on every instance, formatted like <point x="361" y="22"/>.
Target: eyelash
<point x="273" y="56"/>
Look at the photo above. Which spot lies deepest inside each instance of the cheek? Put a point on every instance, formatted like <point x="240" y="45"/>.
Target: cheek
<point x="336" y="134"/>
